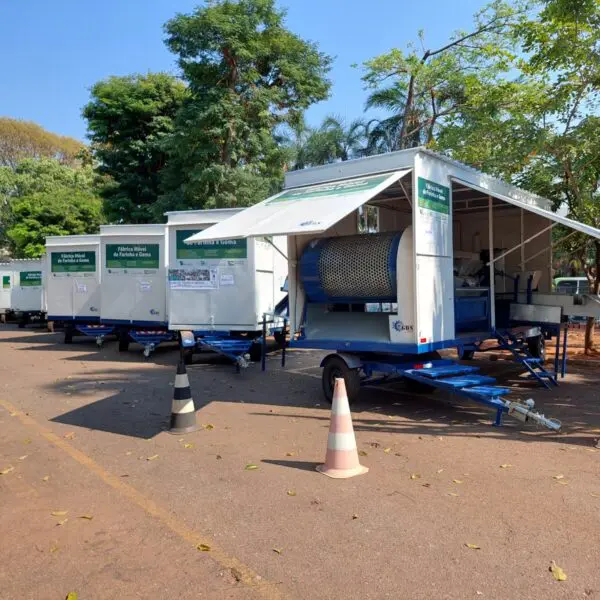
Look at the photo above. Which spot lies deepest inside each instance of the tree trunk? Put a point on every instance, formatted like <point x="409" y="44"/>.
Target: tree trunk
<point x="594" y="287"/>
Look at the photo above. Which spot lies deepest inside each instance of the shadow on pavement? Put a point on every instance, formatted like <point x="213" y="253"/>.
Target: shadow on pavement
<point x="293" y="464"/>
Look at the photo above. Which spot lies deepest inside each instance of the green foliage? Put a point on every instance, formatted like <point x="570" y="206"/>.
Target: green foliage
<point x="60" y="212"/>
<point x="248" y="76"/>
<point x="45" y="197"/>
<point x="128" y="119"/>
<point x="22" y="139"/>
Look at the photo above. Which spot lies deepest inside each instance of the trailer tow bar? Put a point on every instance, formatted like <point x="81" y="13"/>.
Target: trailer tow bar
<point x="524" y="412"/>
<point x="148" y="349"/>
<point x="99" y="341"/>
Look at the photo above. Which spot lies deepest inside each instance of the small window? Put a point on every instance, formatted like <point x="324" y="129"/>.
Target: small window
<point x="584" y="287"/>
<point x="368" y="219"/>
<point x="567" y="287"/>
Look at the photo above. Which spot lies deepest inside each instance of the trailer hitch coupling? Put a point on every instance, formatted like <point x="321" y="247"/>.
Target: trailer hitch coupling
<point x="524" y="412"/>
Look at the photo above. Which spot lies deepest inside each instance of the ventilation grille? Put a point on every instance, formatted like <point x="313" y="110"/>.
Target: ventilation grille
<point x="359" y="266"/>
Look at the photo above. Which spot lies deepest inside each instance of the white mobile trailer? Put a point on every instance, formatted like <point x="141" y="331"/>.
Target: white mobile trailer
<point x="436" y="218"/>
<point x="6" y="283"/>
<point x="133" y="293"/>
<point x="225" y="285"/>
<point x="27" y="293"/>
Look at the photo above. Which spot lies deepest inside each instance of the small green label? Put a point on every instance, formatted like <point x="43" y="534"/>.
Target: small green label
<point x="73" y="262"/>
<point x="30" y="278"/>
<point x="339" y="188"/>
<point x="132" y="256"/>
<point x="434" y="196"/>
<point x="6" y="282"/>
<point x="215" y="249"/>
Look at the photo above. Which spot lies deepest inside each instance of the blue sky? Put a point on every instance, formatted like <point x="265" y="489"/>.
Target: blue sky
<point x="53" y="52"/>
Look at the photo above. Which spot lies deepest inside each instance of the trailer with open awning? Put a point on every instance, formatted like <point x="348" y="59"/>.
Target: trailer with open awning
<point x="394" y="257"/>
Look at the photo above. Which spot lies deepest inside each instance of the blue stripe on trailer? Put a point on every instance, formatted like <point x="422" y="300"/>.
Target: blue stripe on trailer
<point x="463" y="381"/>
<point x="436" y="372"/>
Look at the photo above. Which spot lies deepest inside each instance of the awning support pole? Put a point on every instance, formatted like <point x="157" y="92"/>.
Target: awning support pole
<point x="529" y="239"/>
<point x="274" y="246"/>
<point x="491" y="263"/>
<point x="551" y="246"/>
<point x="522" y="242"/>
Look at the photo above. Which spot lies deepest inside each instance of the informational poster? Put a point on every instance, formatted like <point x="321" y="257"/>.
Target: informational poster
<point x="193" y="279"/>
<point x="145" y="286"/>
<point x="66" y="263"/>
<point x="122" y="257"/>
<point x="211" y="250"/>
<point x="434" y="198"/>
<point x="433" y="218"/>
<point x="30" y="278"/>
<point x="81" y="288"/>
<point x="227" y="279"/>
<point x="6" y="282"/>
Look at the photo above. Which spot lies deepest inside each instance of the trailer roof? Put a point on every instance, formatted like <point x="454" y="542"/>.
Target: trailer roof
<point x="310" y="209"/>
<point x="129" y="229"/>
<point x="73" y="240"/>
<point x="200" y="217"/>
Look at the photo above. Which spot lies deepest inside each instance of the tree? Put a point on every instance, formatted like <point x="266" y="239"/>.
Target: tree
<point x="44" y="197"/>
<point x="248" y="77"/>
<point x="128" y="119"/>
<point x="22" y="139"/>
<point x="423" y="88"/>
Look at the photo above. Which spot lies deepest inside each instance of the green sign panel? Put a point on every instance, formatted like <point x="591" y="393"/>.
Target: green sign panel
<point x="6" y="282"/>
<point x="132" y="256"/>
<point x="30" y="278"/>
<point x="73" y="262"/>
<point x="340" y="188"/>
<point x="434" y="196"/>
<point x="215" y="249"/>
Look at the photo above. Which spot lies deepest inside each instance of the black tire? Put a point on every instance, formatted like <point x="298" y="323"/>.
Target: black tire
<point x="21" y="324"/>
<point x="466" y="355"/>
<point x="335" y="366"/>
<point x="123" y="342"/>
<point x="68" y="339"/>
<point x="255" y="352"/>
<point x="537" y="347"/>
<point x="188" y="357"/>
<point x="416" y="387"/>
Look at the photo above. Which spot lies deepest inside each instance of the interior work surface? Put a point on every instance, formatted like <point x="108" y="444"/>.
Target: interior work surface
<point x="408" y="252"/>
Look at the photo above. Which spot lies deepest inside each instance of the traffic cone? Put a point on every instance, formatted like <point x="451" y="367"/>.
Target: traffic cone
<point x="341" y="460"/>
<point x="183" y="411"/>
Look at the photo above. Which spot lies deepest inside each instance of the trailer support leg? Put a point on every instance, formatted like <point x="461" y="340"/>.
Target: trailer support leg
<point x="284" y="342"/>
<point x="498" y="421"/>
<point x="557" y="353"/>
<point x="563" y="367"/>
<point x="263" y="354"/>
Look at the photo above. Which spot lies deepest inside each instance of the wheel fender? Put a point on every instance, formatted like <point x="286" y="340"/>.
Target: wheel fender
<point x="352" y="361"/>
<point x="188" y="340"/>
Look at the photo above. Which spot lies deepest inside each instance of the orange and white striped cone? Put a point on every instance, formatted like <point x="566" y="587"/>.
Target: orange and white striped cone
<point x="183" y="411"/>
<point x="341" y="460"/>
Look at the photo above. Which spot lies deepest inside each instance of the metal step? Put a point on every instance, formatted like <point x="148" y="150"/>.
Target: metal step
<point x="467" y="381"/>
<point x="449" y="370"/>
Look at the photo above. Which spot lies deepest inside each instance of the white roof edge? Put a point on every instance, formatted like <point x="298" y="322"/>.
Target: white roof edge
<point x="132" y="229"/>
<point x="73" y="240"/>
<point x="350" y="169"/>
<point x="200" y="217"/>
<point x="534" y="208"/>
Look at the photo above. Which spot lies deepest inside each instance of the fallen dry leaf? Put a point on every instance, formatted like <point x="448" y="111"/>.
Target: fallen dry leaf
<point x="415" y="476"/>
<point x="23" y="457"/>
<point x="473" y="546"/>
<point x="506" y="466"/>
<point x="46" y="478"/>
<point x="439" y="471"/>
<point x="208" y="426"/>
<point x="387" y="450"/>
<point x="426" y="485"/>
<point x="59" y="523"/>
<point x="203" y="547"/>
<point x="27" y="441"/>
<point x="563" y="482"/>
<point x="7" y="470"/>
<point x="128" y="453"/>
<point x="87" y="517"/>
<point x="277" y="550"/>
<point x="14" y="414"/>
<point x="457" y="480"/>
<point x="188" y="445"/>
<point x="354" y="517"/>
<point x="71" y="596"/>
<point x="557" y="572"/>
<point x="153" y="457"/>
<point x="69" y="436"/>
<point x="54" y="548"/>
<point x="236" y="574"/>
<point x="558" y="477"/>
<point x="291" y="493"/>
<point x="362" y="453"/>
<point x="290" y="454"/>
<point x="595" y="495"/>
<point x="59" y="513"/>
<point x="219" y="457"/>
<point x="452" y="494"/>
<point x="251" y="467"/>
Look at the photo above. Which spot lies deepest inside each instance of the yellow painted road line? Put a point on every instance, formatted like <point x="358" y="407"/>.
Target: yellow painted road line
<point x="266" y="589"/>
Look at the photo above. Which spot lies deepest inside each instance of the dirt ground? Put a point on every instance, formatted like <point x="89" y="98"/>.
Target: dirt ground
<point x="82" y="435"/>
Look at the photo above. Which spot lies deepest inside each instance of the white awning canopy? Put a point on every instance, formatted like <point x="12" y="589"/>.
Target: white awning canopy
<point x="542" y="212"/>
<point x="304" y="210"/>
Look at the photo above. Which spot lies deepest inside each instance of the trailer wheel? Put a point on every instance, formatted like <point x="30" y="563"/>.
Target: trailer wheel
<point x="466" y="355"/>
<point x="537" y="347"/>
<point x="335" y="367"/>
<point x="68" y="339"/>
<point x="123" y="343"/>
<point x="279" y="337"/>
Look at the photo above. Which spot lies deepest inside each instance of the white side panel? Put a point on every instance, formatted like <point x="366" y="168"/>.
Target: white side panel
<point x="435" y="293"/>
<point x="6" y="284"/>
<point x="133" y="278"/>
<point x="211" y="285"/>
<point x="27" y="291"/>
<point x="432" y="218"/>
<point x="402" y="325"/>
<point x="73" y="281"/>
